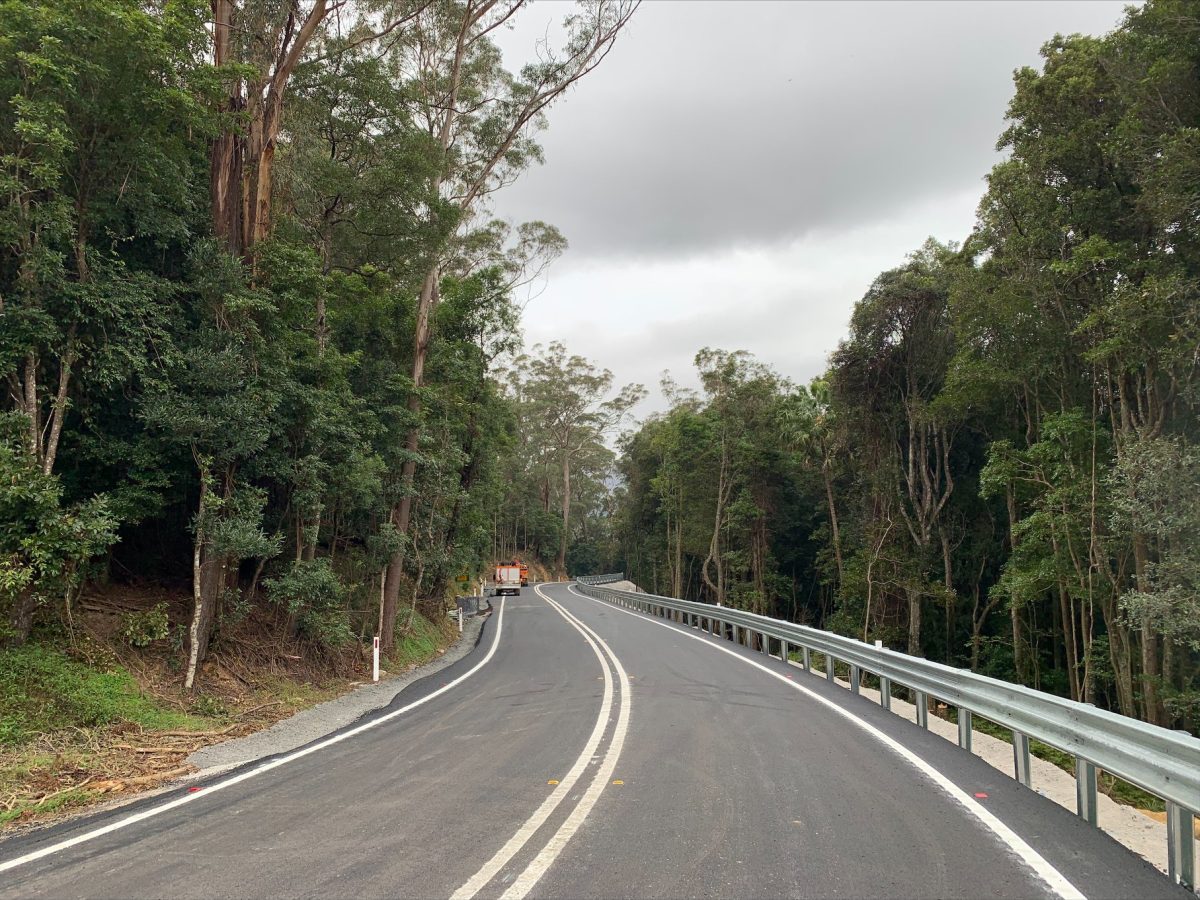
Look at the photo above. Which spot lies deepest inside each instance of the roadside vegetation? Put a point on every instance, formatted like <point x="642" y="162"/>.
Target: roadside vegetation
<point x="250" y="294"/>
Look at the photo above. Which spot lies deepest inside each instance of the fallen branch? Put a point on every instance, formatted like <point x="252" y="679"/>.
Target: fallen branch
<point x="70" y="787"/>
<point x="262" y="706"/>
<point x="199" y="733"/>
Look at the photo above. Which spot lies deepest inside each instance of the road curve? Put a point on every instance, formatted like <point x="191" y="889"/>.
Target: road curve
<point x="585" y="751"/>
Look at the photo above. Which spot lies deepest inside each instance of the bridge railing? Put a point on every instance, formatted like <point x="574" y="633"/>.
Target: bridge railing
<point x="601" y="579"/>
<point x="1160" y="761"/>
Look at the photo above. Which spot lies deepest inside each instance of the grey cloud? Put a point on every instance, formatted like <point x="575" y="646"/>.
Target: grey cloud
<point x="718" y="125"/>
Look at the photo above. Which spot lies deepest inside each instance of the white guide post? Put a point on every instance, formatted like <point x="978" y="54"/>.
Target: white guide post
<point x="375" y="662"/>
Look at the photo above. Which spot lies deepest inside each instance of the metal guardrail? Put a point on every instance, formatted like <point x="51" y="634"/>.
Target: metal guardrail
<point x="601" y="579"/>
<point x="1160" y="761"/>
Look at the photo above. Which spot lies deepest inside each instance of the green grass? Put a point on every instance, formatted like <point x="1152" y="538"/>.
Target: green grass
<point x="43" y="689"/>
<point x="420" y="645"/>
<point x="49" y="805"/>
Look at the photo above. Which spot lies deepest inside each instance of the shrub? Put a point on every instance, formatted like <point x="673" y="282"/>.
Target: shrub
<point x="311" y="591"/>
<point x="141" y="629"/>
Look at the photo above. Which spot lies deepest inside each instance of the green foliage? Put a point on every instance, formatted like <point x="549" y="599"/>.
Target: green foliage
<point x="43" y="543"/>
<point x="43" y="689"/>
<point x="141" y="629"/>
<point x="312" y="593"/>
<point x="1000" y="467"/>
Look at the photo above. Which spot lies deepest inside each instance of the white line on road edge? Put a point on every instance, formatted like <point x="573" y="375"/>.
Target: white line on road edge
<point x="257" y="770"/>
<point x="1042" y="868"/>
<point x="525" y="882"/>
<point x="513" y="846"/>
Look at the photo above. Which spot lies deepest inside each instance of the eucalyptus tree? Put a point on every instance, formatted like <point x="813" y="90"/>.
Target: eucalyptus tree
<point x="565" y="403"/>
<point x="484" y="119"/>
<point x="888" y="374"/>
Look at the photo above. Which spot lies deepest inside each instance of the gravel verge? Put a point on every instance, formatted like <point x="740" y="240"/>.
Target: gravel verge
<point x="1136" y="830"/>
<point x="324" y="718"/>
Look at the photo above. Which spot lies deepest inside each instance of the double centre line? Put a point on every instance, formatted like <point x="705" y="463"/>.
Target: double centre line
<point x="522" y="884"/>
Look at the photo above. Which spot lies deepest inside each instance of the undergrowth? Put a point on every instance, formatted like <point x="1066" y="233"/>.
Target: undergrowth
<point x="71" y="722"/>
<point x="43" y="689"/>
<point x="421" y="643"/>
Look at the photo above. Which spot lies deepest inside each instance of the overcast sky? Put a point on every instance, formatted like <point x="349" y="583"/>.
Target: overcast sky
<point x="735" y="174"/>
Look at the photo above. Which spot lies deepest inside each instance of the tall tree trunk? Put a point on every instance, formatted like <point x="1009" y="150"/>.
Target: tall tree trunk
<point x="402" y="512"/>
<point x="198" y="594"/>
<point x="714" y="546"/>
<point x="914" y="620"/>
<point x="948" y="581"/>
<point x="1152" y="708"/>
<point x="566" y="514"/>
<point x="20" y="619"/>
<point x="1019" y="664"/>
<point x="835" y="532"/>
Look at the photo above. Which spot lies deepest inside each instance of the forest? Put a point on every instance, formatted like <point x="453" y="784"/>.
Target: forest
<point x="261" y="339"/>
<point x="1000" y="468"/>
<point x="253" y="302"/>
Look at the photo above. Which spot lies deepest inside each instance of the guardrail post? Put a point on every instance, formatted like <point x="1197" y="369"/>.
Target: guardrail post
<point x="1021" y="758"/>
<point x="1181" y="846"/>
<point x="885" y="693"/>
<point x="783" y="651"/>
<point x="921" y="700"/>
<point x="807" y="654"/>
<point x="964" y="728"/>
<point x="1085" y="790"/>
<point x="829" y="667"/>
<point x="855" y="677"/>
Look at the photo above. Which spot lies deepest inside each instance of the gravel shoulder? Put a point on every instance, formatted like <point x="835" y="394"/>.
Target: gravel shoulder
<point x="1137" y="831"/>
<point x="317" y="721"/>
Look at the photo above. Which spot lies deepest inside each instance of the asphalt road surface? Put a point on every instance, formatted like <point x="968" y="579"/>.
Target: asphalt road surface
<point x="585" y="751"/>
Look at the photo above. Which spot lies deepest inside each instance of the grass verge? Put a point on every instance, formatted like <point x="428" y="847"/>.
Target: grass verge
<point x="80" y="727"/>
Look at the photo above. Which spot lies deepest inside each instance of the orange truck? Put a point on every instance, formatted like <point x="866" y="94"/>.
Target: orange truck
<point x="508" y="580"/>
<point x="524" y="572"/>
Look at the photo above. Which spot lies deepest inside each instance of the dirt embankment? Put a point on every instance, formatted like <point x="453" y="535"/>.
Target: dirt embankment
<point x="100" y="712"/>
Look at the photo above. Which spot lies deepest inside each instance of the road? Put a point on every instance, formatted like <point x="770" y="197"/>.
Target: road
<point x="585" y="751"/>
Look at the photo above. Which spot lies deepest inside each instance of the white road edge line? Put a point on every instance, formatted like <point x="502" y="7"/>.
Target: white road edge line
<point x="537" y="867"/>
<point x="257" y="770"/>
<point x="513" y="846"/>
<point x="1041" y="867"/>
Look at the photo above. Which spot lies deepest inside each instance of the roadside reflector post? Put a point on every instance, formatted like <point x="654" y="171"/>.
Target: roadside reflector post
<point x="885" y="692"/>
<point x="1085" y="790"/>
<point x="964" y="729"/>
<point x="855" y="677"/>
<point x="1181" y="845"/>
<point x="829" y="667"/>
<point x="921" y="699"/>
<point x="375" y="660"/>
<point x="1021" y="758"/>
